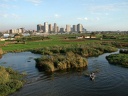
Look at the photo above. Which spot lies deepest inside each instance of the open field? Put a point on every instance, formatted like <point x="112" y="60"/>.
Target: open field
<point x="63" y="40"/>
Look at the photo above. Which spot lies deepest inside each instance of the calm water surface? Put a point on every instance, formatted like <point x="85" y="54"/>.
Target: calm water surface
<point x="110" y="80"/>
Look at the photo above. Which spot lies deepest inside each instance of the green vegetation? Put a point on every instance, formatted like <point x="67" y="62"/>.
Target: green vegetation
<point x="10" y="81"/>
<point x="68" y="57"/>
<point x="125" y="51"/>
<point x="60" y="52"/>
<point x="118" y="59"/>
<point x="1" y="51"/>
<point x="39" y="42"/>
<point x="60" y="62"/>
<point x="85" y="50"/>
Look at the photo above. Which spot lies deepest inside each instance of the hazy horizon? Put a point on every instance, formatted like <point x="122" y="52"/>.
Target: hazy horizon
<point x="94" y="15"/>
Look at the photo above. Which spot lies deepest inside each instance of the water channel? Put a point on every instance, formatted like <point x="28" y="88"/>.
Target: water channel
<point x="110" y="80"/>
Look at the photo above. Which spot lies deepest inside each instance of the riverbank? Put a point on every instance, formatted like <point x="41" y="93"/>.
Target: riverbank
<point x="10" y="81"/>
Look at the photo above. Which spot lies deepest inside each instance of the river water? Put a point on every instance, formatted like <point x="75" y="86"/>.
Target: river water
<point x="110" y="80"/>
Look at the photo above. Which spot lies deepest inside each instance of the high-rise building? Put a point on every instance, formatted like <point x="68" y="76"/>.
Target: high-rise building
<point x="62" y="30"/>
<point x="39" y="28"/>
<point x="55" y="27"/>
<point x="74" y="28"/>
<point x="68" y="28"/>
<point x="50" y="28"/>
<point x="46" y="27"/>
<point x="58" y="29"/>
<point x="23" y="30"/>
<point x="79" y="27"/>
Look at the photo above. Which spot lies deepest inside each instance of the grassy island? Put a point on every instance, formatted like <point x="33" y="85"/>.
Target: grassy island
<point x="119" y="59"/>
<point x="69" y="57"/>
<point x="10" y="81"/>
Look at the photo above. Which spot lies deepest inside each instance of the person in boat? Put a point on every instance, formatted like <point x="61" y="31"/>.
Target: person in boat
<point x="92" y="76"/>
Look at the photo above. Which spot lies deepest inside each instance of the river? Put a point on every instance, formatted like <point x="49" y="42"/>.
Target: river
<point x="110" y="80"/>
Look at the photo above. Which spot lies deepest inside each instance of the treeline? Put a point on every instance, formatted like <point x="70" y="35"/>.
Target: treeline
<point x="33" y="38"/>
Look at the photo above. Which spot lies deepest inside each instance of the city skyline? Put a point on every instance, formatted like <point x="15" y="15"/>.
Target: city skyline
<point x="94" y="15"/>
<point x="54" y="28"/>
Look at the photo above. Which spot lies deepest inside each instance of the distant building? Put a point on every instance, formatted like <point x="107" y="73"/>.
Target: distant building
<point x="79" y="27"/>
<point x="14" y="31"/>
<point x="46" y="28"/>
<point x="50" y="28"/>
<point x="39" y="28"/>
<point x="74" y="28"/>
<point x="62" y="30"/>
<point x="22" y="30"/>
<point x="5" y="35"/>
<point x="58" y="29"/>
<point x="68" y="28"/>
<point x="55" y="27"/>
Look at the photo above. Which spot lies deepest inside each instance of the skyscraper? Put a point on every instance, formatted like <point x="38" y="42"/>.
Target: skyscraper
<point x="79" y="27"/>
<point x="55" y="27"/>
<point x="39" y="28"/>
<point x="45" y="27"/>
<point x="74" y="28"/>
<point x="50" y="28"/>
<point x="68" y="28"/>
<point x="62" y="29"/>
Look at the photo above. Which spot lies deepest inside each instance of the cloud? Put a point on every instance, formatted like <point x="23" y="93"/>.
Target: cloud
<point x="4" y="15"/>
<point x="7" y="6"/>
<point x="103" y="8"/>
<point x="7" y="0"/>
<point x="82" y="18"/>
<point x="86" y="18"/>
<point x="97" y="18"/>
<point x="11" y="15"/>
<point x="35" y="2"/>
<point x="4" y="6"/>
<point x="56" y="16"/>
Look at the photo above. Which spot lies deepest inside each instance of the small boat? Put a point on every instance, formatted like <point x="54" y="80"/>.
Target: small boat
<point x="92" y="76"/>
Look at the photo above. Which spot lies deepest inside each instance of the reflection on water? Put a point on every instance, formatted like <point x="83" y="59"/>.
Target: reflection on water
<point x="110" y="80"/>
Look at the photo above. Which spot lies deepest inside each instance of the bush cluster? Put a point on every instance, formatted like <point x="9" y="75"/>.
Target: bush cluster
<point x="10" y="81"/>
<point x="118" y="59"/>
<point x="86" y="50"/>
<point x="125" y="51"/>
<point x="51" y="63"/>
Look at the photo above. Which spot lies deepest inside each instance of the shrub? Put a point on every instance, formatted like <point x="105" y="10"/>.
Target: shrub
<point x="60" y="62"/>
<point x="118" y="59"/>
<point x="10" y="81"/>
<point x="1" y="51"/>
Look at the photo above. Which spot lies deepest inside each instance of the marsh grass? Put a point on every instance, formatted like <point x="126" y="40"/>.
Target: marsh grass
<point x="118" y="59"/>
<point x="60" y="62"/>
<point x="10" y="81"/>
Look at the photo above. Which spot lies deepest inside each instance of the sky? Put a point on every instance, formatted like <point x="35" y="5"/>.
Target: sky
<point x="94" y="15"/>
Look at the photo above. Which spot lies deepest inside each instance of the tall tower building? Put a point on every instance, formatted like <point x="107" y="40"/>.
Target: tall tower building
<point x="55" y="27"/>
<point x="68" y="28"/>
<point x="39" y="28"/>
<point x="50" y="28"/>
<point x="74" y="28"/>
<point x="45" y="27"/>
<point x="79" y="27"/>
<point x="62" y="29"/>
<point x="58" y="29"/>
